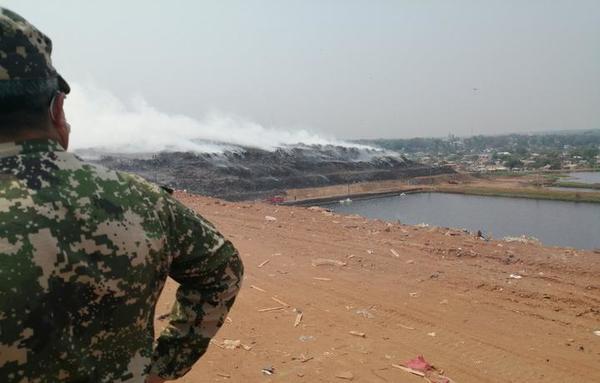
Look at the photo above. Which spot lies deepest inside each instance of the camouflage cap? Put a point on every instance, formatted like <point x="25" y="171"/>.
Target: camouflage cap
<point x="25" y="63"/>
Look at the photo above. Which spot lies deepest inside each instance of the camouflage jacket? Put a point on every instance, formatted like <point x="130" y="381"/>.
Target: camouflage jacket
<point x="84" y="255"/>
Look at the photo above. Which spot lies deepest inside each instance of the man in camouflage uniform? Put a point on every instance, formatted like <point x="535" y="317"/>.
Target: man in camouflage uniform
<point x="85" y="252"/>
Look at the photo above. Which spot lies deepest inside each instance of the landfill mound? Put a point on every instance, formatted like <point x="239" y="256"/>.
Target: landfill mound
<point x="339" y="298"/>
<point x="251" y="173"/>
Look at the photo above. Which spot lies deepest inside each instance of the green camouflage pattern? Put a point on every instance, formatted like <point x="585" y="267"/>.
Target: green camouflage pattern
<point x="25" y="56"/>
<point x="84" y="255"/>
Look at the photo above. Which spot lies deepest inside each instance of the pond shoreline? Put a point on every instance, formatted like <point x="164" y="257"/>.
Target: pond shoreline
<point x="554" y="223"/>
<point x="540" y="193"/>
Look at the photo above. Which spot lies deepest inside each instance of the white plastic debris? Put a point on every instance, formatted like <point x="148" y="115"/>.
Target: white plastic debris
<point x="365" y="313"/>
<point x="231" y="344"/>
<point x="306" y="338"/>
<point x="522" y="239"/>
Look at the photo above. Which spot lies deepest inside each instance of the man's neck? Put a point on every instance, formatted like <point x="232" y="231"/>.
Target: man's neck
<point x="30" y="134"/>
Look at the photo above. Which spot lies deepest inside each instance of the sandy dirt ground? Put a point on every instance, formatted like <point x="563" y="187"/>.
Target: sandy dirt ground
<point x="436" y="292"/>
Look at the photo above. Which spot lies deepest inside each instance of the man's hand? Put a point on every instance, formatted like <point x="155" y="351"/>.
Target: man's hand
<point x="154" y="379"/>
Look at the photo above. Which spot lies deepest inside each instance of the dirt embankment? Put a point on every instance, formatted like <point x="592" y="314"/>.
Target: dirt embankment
<point x="482" y="311"/>
<point x="528" y="186"/>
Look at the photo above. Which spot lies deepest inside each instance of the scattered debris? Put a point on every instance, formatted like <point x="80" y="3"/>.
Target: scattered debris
<point x="305" y="358"/>
<point x="246" y="347"/>
<point x="327" y="262"/>
<point x="322" y="279"/>
<point x="353" y="216"/>
<point x="515" y="276"/>
<point x="306" y="338"/>
<point x="271" y="309"/>
<point x="280" y="302"/>
<point x="269" y="370"/>
<point x="264" y="263"/>
<point x="394" y="253"/>
<point x="419" y="366"/>
<point x="298" y="318"/>
<point x="408" y="369"/>
<point x="257" y="288"/>
<point x="522" y="239"/>
<point x="212" y="341"/>
<point x="359" y="334"/>
<point x="365" y="313"/>
<point x="230" y="344"/>
<point x="270" y="218"/>
<point x="346" y="375"/>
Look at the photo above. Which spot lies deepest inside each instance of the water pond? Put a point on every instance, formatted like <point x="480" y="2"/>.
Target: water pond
<point x="555" y="223"/>
<point x="583" y="177"/>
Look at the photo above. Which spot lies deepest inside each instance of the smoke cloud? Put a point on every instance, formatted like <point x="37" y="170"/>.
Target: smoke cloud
<point x="103" y="122"/>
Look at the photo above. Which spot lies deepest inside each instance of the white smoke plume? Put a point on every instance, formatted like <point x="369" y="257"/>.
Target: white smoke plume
<point x="103" y="122"/>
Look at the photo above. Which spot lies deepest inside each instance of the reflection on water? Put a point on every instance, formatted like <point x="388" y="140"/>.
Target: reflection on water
<point x="584" y="177"/>
<point x="574" y="224"/>
<point x="559" y="188"/>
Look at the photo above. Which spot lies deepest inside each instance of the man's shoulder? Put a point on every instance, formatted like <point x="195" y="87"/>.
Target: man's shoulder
<point x="85" y="181"/>
<point x="104" y="175"/>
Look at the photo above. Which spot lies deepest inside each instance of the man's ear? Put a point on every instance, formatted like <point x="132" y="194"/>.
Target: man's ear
<point x="57" y="113"/>
<point x="58" y="119"/>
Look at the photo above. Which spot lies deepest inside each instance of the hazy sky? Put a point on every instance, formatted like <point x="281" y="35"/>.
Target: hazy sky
<point x="353" y="69"/>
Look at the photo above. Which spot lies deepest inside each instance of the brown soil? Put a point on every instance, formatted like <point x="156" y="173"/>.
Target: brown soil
<point x="447" y="295"/>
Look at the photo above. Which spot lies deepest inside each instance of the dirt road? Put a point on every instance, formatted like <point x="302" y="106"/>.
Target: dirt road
<point x="436" y="292"/>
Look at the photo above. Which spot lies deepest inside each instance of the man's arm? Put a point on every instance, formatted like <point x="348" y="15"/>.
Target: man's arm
<point x="209" y="271"/>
